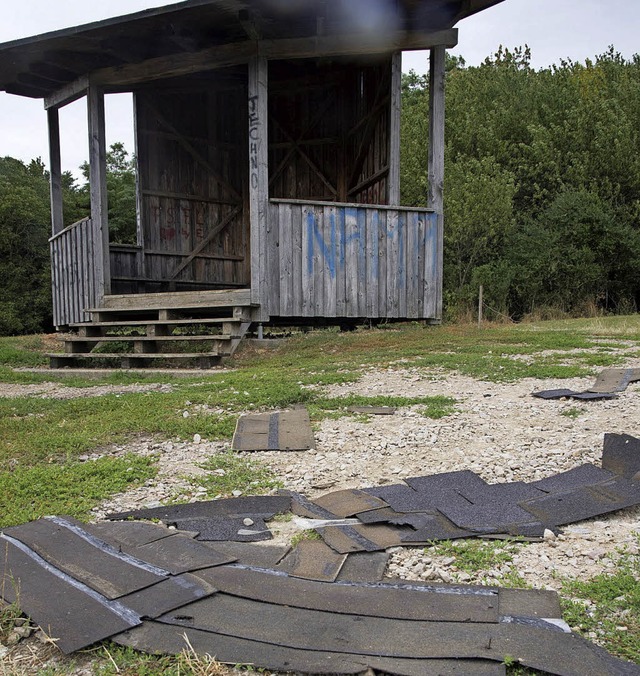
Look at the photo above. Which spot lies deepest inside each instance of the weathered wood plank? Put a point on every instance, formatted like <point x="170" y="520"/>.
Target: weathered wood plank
<point x="297" y="262"/>
<point x="350" y="261"/>
<point x="285" y="254"/>
<point x="372" y="259"/>
<point x="308" y="270"/>
<point x="393" y="180"/>
<point x="393" y="264"/>
<point x="98" y="189"/>
<point x="55" y="168"/>
<point x="258" y="180"/>
<point x="402" y="264"/>
<point x="68" y="94"/>
<point x="339" y="258"/>
<point x="436" y="158"/>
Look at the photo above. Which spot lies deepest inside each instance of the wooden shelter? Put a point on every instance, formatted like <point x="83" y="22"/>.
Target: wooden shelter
<point x="267" y="145"/>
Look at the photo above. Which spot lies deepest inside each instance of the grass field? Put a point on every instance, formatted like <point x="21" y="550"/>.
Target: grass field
<point x="41" y="439"/>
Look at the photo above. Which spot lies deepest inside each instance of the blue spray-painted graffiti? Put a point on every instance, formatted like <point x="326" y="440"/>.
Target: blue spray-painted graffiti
<point x="329" y="248"/>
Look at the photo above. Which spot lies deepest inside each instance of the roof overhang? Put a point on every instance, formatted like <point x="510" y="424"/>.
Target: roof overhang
<point x="200" y="34"/>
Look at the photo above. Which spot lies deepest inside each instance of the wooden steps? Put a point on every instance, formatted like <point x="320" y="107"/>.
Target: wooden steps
<point x="182" y="331"/>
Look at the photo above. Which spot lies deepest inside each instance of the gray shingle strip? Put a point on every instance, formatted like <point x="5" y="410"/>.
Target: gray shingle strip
<point x="563" y="393"/>
<point x="584" y="502"/>
<point x="621" y="455"/>
<point x="226" y="528"/>
<point x="265" y="506"/>
<point x="312" y="560"/>
<point x="615" y="380"/>
<point x="165" y="596"/>
<point x="103" y="568"/>
<point x="346" y="503"/>
<point x="155" y="637"/>
<point x="492" y="517"/>
<point x="369" y="600"/>
<point x="583" y="475"/>
<point x="539" y="648"/>
<point x="70" y="612"/>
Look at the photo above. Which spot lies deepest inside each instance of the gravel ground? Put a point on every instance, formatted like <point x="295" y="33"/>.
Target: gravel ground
<point x="497" y="430"/>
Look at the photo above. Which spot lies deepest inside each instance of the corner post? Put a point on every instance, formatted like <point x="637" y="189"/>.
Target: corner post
<point x="259" y="182"/>
<point x="98" y="190"/>
<point x="57" y="216"/>
<point x="393" y="179"/>
<point x="436" y="156"/>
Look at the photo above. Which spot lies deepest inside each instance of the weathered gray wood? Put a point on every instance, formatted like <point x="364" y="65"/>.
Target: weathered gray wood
<point x="372" y="260"/>
<point x="55" y="167"/>
<point x="98" y="189"/>
<point x="219" y="227"/>
<point x="258" y="181"/>
<point x="297" y="260"/>
<point x="393" y="181"/>
<point x="179" y="299"/>
<point x="73" y="273"/>
<point x="351" y="261"/>
<point x="436" y="156"/>
<point x="285" y="254"/>
<point x="175" y="65"/>
<point x="307" y="267"/>
<point x="353" y="44"/>
<point x="68" y="94"/>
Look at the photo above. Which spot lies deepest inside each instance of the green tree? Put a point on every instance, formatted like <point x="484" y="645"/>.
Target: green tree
<point x="121" y="192"/>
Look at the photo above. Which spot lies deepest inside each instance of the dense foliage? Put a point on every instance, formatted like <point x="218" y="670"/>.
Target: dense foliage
<point x="542" y="182"/>
<point x="25" y="228"/>
<point x="542" y="191"/>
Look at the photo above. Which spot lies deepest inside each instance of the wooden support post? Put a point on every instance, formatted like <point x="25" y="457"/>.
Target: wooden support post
<point x="436" y="156"/>
<point x="98" y="190"/>
<point x="57" y="216"/>
<point x="259" y="182"/>
<point x="393" y="180"/>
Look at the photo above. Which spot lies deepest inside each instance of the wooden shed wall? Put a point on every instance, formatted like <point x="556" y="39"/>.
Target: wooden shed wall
<point x="192" y="181"/>
<point x="336" y="260"/>
<point x="329" y="130"/>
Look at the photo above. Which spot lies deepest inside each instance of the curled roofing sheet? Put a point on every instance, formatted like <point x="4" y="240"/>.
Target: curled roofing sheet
<point x="321" y="608"/>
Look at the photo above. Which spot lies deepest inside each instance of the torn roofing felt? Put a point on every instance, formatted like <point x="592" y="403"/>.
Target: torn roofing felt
<point x="608" y="383"/>
<point x="271" y="619"/>
<point x="284" y="431"/>
<point x="425" y="508"/>
<point x="323" y="606"/>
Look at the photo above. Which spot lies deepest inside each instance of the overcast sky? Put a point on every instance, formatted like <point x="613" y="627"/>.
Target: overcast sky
<point x="553" y="29"/>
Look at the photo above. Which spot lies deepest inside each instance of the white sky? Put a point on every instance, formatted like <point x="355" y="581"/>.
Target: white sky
<point x="553" y="29"/>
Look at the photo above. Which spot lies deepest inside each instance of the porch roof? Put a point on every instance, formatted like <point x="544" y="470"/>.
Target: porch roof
<point x="40" y="65"/>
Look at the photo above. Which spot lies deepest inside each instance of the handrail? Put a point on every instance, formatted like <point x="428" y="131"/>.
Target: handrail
<point x="69" y="228"/>
<point x="351" y="205"/>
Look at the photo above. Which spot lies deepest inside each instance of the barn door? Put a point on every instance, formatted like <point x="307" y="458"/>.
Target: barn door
<point x="192" y="182"/>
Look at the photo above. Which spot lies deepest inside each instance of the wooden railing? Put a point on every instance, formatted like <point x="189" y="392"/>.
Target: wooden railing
<point x="352" y="260"/>
<point x="73" y="273"/>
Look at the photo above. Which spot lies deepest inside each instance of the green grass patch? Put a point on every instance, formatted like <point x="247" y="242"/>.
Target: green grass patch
<point x="608" y="605"/>
<point x="433" y="407"/>
<point x="17" y="351"/>
<point x="573" y="412"/>
<point x="228" y="472"/>
<point x="35" y="430"/>
<point x="28" y="493"/>
<point x="304" y="535"/>
<point x="473" y="555"/>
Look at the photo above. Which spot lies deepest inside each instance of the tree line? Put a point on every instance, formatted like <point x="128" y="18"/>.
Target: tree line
<point x="542" y="192"/>
<point x="542" y="182"/>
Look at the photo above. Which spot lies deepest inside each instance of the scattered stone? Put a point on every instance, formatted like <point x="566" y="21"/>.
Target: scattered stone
<point x="197" y="438"/>
<point x="248" y="522"/>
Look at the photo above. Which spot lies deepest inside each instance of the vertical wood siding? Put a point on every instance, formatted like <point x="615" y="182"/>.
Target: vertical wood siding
<point x="336" y="260"/>
<point x="74" y="279"/>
